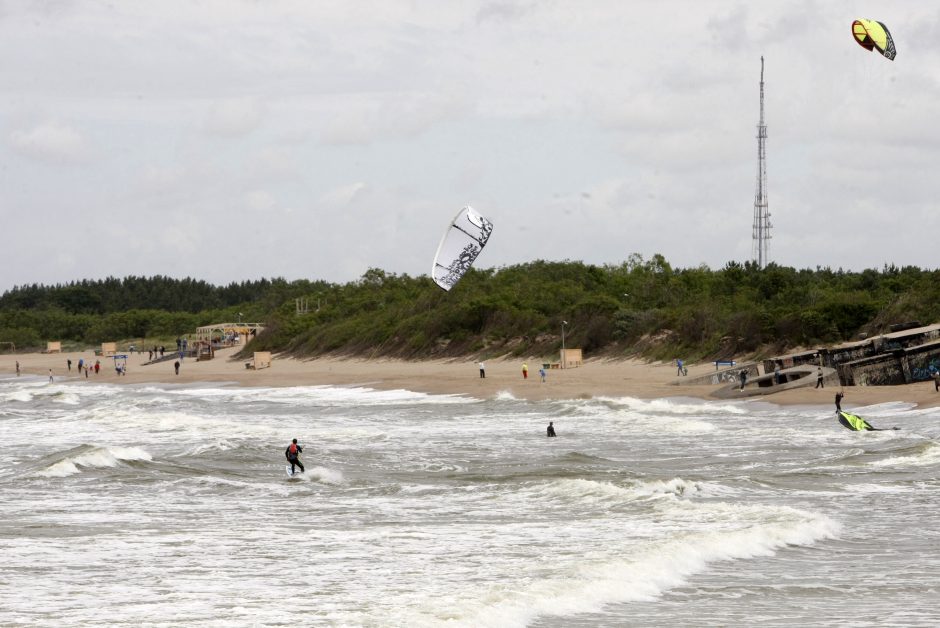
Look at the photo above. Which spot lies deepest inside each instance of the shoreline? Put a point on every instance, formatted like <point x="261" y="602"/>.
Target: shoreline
<point x="595" y="378"/>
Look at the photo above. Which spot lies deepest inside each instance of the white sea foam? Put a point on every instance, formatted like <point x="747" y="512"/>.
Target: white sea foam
<point x="505" y="395"/>
<point x="324" y="475"/>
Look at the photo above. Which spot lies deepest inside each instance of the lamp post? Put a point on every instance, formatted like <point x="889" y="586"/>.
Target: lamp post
<point x="563" y="323"/>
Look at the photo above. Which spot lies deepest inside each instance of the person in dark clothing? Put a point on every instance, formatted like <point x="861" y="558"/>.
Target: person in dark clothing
<point x="176" y="365"/>
<point x="550" y="431"/>
<point x="839" y="396"/>
<point x="743" y="378"/>
<point x="292" y="452"/>
<point x="819" y="378"/>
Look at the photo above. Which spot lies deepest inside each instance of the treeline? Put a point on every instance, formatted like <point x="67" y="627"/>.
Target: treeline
<point x="641" y="307"/>
<point x="149" y="293"/>
<point x="91" y="312"/>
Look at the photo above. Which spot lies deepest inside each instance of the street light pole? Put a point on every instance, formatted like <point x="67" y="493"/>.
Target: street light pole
<point x="563" y="323"/>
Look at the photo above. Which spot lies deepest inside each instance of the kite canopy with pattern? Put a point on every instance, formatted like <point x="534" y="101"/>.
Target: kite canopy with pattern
<point x="463" y="240"/>
<point x="874" y="35"/>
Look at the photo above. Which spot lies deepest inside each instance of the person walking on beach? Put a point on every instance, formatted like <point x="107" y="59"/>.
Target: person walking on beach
<point x="743" y="378"/>
<point x="482" y="371"/>
<point x="68" y="362"/>
<point x="293" y="450"/>
<point x="17" y="368"/>
<point x="50" y="375"/>
<point x="542" y="374"/>
<point x="839" y="396"/>
<point x="81" y="363"/>
<point x="679" y="365"/>
<point x="176" y="365"/>
<point x="525" y="371"/>
<point x="936" y="381"/>
<point x="550" y="430"/>
<point x="97" y="366"/>
<point x="819" y="377"/>
<point x="86" y="371"/>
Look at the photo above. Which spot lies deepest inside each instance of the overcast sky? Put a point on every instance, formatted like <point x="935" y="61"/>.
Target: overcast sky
<point x="229" y="140"/>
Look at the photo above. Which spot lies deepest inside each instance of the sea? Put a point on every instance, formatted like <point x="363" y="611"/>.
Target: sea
<point x="163" y="505"/>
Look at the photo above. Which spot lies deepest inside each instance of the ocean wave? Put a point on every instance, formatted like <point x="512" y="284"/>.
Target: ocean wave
<point x="91" y="457"/>
<point x="314" y="395"/>
<point x="23" y="396"/>
<point x="929" y="455"/>
<point x="675" y="405"/>
<point x="658" y="566"/>
<point x="601" y="492"/>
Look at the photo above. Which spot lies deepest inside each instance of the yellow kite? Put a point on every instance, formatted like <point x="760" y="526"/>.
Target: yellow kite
<point x="871" y="34"/>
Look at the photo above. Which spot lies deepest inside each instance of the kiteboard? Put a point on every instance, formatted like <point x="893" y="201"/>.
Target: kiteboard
<point x="290" y="474"/>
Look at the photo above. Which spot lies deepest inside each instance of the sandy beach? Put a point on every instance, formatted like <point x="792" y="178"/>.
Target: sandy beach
<point x="596" y="378"/>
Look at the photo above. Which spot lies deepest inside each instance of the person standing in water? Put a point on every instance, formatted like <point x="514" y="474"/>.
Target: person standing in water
<point x="550" y="430"/>
<point x="292" y="453"/>
<point x="839" y="396"/>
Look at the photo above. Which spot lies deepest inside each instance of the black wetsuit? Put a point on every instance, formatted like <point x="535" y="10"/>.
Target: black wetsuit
<point x="839" y="396"/>
<point x="293" y="459"/>
<point x="550" y="431"/>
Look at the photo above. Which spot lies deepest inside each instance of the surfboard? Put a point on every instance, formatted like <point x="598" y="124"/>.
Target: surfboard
<point x="289" y="474"/>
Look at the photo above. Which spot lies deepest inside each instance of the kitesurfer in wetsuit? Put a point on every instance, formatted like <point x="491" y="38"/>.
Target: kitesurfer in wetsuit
<point x="550" y="431"/>
<point x="839" y="396"/>
<point x="293" y="450"/>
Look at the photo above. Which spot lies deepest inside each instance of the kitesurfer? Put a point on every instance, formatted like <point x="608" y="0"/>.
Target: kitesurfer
<point x="839" y="396"/>
<point x="293" y="450"/>
<point x="550" y="431"/>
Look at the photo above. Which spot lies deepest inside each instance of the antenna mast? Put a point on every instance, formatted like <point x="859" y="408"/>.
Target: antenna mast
<point x="761" y="229"/>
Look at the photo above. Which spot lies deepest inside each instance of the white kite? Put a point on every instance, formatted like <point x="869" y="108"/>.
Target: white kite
<point x="465" y="237"/>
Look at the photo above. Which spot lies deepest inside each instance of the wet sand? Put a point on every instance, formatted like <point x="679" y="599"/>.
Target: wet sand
<point x="596" y="378"/>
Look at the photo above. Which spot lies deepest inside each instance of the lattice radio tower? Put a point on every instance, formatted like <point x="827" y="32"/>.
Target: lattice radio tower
<point x="761" y="230"/>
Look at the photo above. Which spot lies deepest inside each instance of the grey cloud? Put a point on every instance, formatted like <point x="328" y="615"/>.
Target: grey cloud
<point x="50" y="141"/>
